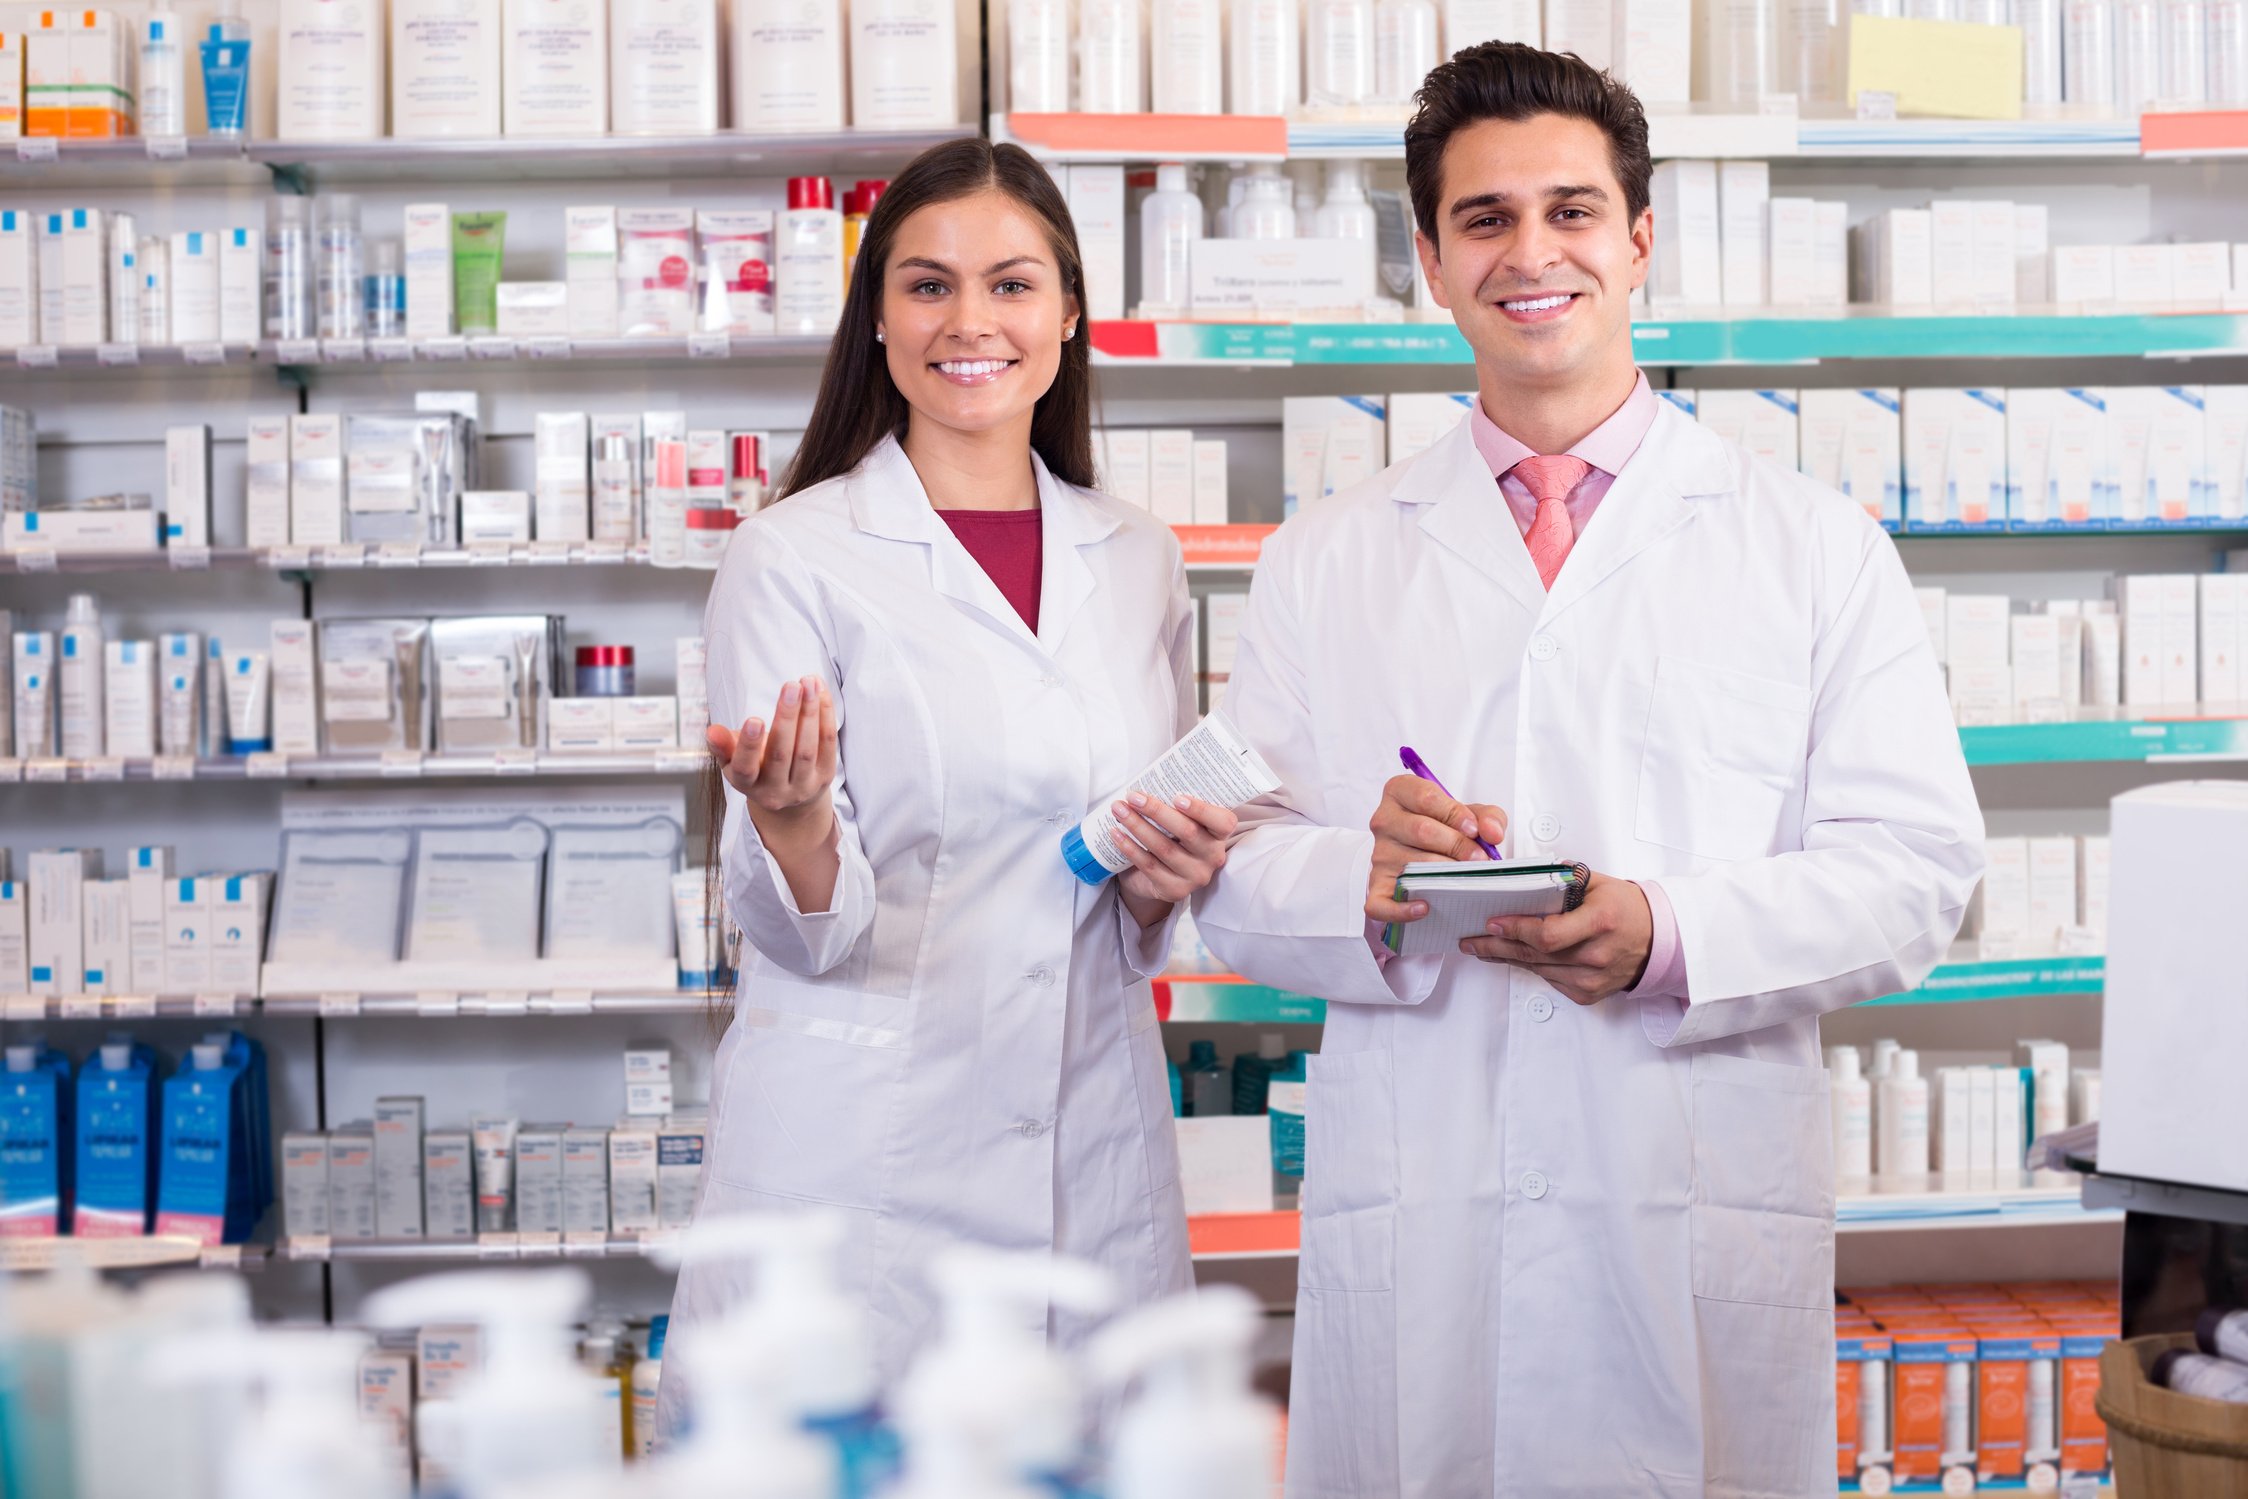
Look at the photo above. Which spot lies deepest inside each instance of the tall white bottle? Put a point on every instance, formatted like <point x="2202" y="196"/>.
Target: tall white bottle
<point x="330" y="74"/>
<point x="1851" y="1097"/>
<point x="808" y="260"/>
<point x="905" y="64"/>
<point x="1736" y="49"/>
<point x="1901" y="1134"/>
<point x="2088" y="54"/>
<point x="787" y="66"/>
<point x="1038" y="48"/>
<point x="2185" y="51"/>
<point x="1338" y="53"/>
<point x="83" y="701"/>
<point x="2138" y="54"/>
<point x="1469" y="23"/>
<point x="1186" y="57"/>
<point x="445" y="68"/>
<point x="663" y="67"/>
<point x="555" y="81"/>
<point x="1268" y="207"/>
<point x="1108" y="57"/>
<point x="1404" y="48"/>
<point x="1266" y="58"/>
<point x="1170" y="224"/>
<point x="163" y="75"/>
<point x="2040" y="21"/>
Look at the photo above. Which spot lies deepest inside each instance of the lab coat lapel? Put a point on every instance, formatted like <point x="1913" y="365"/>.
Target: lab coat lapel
<point x="887" y="500"/>
<point x="1066" y="581"/>
<point x="1463" y="511"/>
<point x="1648" y="500"/>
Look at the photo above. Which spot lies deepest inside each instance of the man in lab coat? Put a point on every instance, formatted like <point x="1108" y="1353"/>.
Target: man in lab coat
<point x="1568" y="1210"/>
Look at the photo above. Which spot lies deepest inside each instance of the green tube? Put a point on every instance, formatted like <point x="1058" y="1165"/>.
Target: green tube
<point x="478" y="241"/>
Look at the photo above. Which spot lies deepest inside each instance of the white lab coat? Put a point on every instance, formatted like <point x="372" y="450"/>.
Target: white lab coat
<point x="1551" y="1250"/>
<point x="963" y="1047"/>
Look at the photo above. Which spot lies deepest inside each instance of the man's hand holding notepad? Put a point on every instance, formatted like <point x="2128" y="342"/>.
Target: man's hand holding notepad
<point x="1463" y="898"/>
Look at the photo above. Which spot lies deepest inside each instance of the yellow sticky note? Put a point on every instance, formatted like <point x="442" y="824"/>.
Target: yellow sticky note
<point x="1945" y="69"/>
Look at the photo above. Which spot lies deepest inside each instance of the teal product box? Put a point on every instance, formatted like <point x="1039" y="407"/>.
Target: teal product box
<point x="35" y="1163"/>
<point x="1284" y="1102"/>
<point x="214" y="1166"/>
<point x="115" y="1142"/>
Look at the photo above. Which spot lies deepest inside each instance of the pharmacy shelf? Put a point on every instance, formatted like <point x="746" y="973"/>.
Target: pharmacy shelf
<point x="482" y="348"/>
<point x="45" y="162"/>
<point x="1980" y="140"/>
<point x="515" y="159"/>
<point x="350" y="556"/>
<point x="131" y="1253"/>
<point x="91" y="1007"/>
<point x="36" y="359"/>
<point x="2193" y="134"/>
<point x="428" y="1005"/>
<point x="1146" y="137"/>
<point x="1377" y="134"/>
<point x="320" y="1249"/>
<point x="392" y="766"/>
<point x="2185" y="739"/>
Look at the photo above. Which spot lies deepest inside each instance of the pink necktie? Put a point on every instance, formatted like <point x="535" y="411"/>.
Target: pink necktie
<point x="1551" y="533"/>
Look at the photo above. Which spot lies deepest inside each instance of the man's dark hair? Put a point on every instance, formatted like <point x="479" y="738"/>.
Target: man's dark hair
<point x="1510" y="81"/>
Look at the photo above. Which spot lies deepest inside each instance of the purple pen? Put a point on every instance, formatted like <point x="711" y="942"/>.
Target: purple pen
<point x="1419" y="767"/>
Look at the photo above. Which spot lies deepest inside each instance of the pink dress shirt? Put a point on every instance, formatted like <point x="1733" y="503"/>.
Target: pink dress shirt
<point x="1607" y="447"/>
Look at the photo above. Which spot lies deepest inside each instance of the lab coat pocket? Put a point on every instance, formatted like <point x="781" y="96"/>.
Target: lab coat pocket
<point x="806" y="1115"/>
<point x="1151" y="1080"/>
<point x="1762" y="1207"/>
<point x="1350" y="1172"/>
<point x="1723" y="758"/>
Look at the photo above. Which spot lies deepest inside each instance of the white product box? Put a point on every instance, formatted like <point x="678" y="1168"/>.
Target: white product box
<point x="706" y="468"/>
<point x="50" y="278"/>
<point x="1992" y="241"/>
<point x="581" y="724"/>
<point x="2224" y="599"/>
<point x="2046" y="1062"/>
<point x="1689" y="402"/>
<point x="147" y="871"/>
<point x="195" y="287"/>
<point x="589" y="241"/>
<point x="2005" y="892"/>
<point x="632" y="1181"/>
<point x="266" y="471"/>
<point x="2057" y="461"/>
<point x="2033" y="266"/>
<point x="1896" y="258"/>
<point x="1655" y="40"/>
<point x="19" y="279"/>
<point x="2146" y="275"/>
<point x="108" y="956"/>
<point x="81" y="530"/>
<point x="691" y="685"/>
<point x="555" y="74"/>
<point x="1415" y="420"/>
<point x="1977" y="629"/>
<point x="1766" y="422"/>
<point x="445" y="69"/>
<point x="1951" y="246"/>
<point x="2159" y="437"/>
<point x="1830" y="255"/>
<point x="1948" y="1105"/>
<point x="1981" y="694"/>
<point x="428" y="254"/>
<point x="187" y="935"/>
<point x="2103" y="661"/>
<point x="1851" y="441"/>
<point x="737" y="255"/>
<point x="386" y="1403"/>
<point x="533" y="309"/>
<point x="647" y="1081"/>
<point x="679" y="1167"/>
<point x="15" y="963"/>
<point x="585" y="1181"/>
<point x="304" y="1184"/>
<point x="644" y="723"/>
<point x="1982" y="1121"/>
<point x="1302" y="276"/>
<point x="57" y="925"/>
<point x="663" y="67"/>
<point x="1221" y="636"/>
<point x="316" y="478"/>
<point x="2200" y="276"/>
<point x="1328" y="443"/>
<point x="1955" y="459"/>
<point x="241" y="284"/>
<point x="2181" y="645"/>
<point x="2009" y="1146"/>
<point x="2092" y="854"/>
<point x="1096" y="204"/>
<point x="2052" y="892"/>
<point x="398" y="1168"/>
<point x="1744" y="188"/>
<point x="187" y="486"/>
<point x="1127" y="474"/>
<point x="495" y="515"/>
<point x="538" y="1180"/>
<point x="2083" y="276"/>
<point x="1170" y="475"/>
<point x="2225" y="408"/>
<point x="1211" y="507"/>
<point x="444" y="1357"/>
<point x="351" y="1182"/>
<point x="129" y="698"/>
<point x="2069" y="627"/>
<point x="562" y="496"/>
<point x="1791" y="254"/>
<point x="1935" y="608"/>
<point x="448" y="1185"/>
<point x="239" y="903"/>
<point x="2139" y="601"/>
<point x="329" y="81"/>
<point x="1688" y="269"/>
<point x="85" y="278"/>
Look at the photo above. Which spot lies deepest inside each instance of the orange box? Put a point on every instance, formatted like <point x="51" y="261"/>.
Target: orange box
<point x="2002" y="1398"/>
<point x="46" y="74"/>
<point x="1858" y="1361"/>
<point x="1923" y="1358"/>
<point x="2084" y="1444"/>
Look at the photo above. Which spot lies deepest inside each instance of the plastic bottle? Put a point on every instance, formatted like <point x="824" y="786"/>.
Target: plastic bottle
<point x="2228" y="53"/>
<point x="225" y="57"/>
<point x="1338" y="53"/>
<point x="1266" y="60"/>
<point x="1737" y="42"/>
<point x="601" y="1352"/>
<point x="1170" y="223"/>
<point x="2138" y="54"/>
<point x="1404" y="48"/>
<point x="341" y="266"/>
<point x="647" y="1376"/>
<point x="1186" y="57"/>
<point x="1236" y="188"/>
<point x="154" y="261"/>
<point x="305" y="1434"/>
<point x="163" y="75"/>
<point x="81" y="673"/>
<point x="385" y="298"/>
<point x="1038" y="46"/>
<point x="1303" y="179"/>
<point x="1284" y="1101"/>
<point x="2088" y="54"/>
<point x="1108" y="57"/>
<point x="1901" y="1147"/>
<point x="1268" y="207"/>
<point x="1885" y="1052"/>
<point x="530" y="1416"/>
<point x="1345" y="214"/>
<point x="1209" y="1092"/>
<point x="808" y="259"/>
<point x="1959" y="1414"/>
<point x="1851" y="1098"/>
<point x="1873" y="1408"/>
<point x="858" y="207"/>
<point x="288" y="269"/>
<point x="124" y="279"/>
<point x="2185" y="51"/>
<point x="2042" y="1440"/>
<point x="1810" y="50"/>
<point x="1252" y="1071"/>
<point x="613" y="517"/>
<point x="1196" y="1431"/>
<point x="2042" y="74"/>
<point x="743" y="1444"/>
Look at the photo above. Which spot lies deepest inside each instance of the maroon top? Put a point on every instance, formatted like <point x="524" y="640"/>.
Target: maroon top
<point x="1008" y="546"/>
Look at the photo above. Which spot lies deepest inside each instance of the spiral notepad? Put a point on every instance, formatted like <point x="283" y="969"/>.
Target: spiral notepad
<point x="1463" y="897"/>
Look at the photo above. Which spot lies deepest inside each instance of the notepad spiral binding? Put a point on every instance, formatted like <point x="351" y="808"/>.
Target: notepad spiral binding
<point x="1580" y="878"/>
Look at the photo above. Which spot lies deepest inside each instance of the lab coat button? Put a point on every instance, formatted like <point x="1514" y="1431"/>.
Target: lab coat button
<point x="1544" y="648"/>
<point x="1545" y="827"/>
<point x="1533" y="1185"/>
<point x="1049" y="681"/>
<point x="1031" y="1129"/>
<point x="1541" y="1008"/>
<point x="1041" y="975"/>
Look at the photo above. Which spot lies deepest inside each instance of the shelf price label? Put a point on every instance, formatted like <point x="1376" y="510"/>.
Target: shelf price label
<point x="678" y="761"/>
<point x="115" y="356"/>
<point x="296" y="351"/>
<point x="36" y="356"/>
<point x="213" y="1006"/>
<point x="569" y="1002"/>
<point x="105" y="768"/>
<point x="172" y="768"/>
<point x="491" y="346"/>
<point x="390" y="350"/>
<point x="23" y="1007"/>
<point x="538" y="1244"/>
<point x="398" y="554"/>
<point x="288" y="559"/>
<point x="36" y="148"/>
<point x="35" y="560"/>
<point x="167" y="147"/>
<point x="710" y="346"/>
<point x="491" y="553"/>
<point x="546" y="346"/>
<point x="609" y="552"/>
<point x="45" y="772"/>
<point x="79" y="1007"/>
<point x="133" y="1006"/>
<point x="585" y="1244"/>
<point x="11" y="771"/>
<point x="220" y="1257"/>
<point x="338" y="1006"/>
<point x="402" y="762"/>
<point x="344" y="555"/>
<point x="549" y="553"/>
<point x="187" y="559"/>
<point x="515" y="762"/>
<point x="307" y="1246"/>
<point x="343" y="350"/>
<point x="267" y="765"/>
<point x="445" y="350"/>
<point x="507" y="1002"/>
<point x="203" y="353"/>
<point x="498" y="1246"/>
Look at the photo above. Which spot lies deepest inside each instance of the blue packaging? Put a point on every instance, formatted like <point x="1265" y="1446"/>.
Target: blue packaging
<point x="115" y="1148"/>
<point x="226" y="76"/>
<point x="35" y="1164"/>
<point x="214" y="1172"/>
<point x="1285" y="1096"/>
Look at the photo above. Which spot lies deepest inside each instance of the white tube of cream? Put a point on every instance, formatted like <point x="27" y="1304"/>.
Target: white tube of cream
<point x="1213" y="763"/>
<point x="249" y="692"/>
<point x="494" y="1143"/>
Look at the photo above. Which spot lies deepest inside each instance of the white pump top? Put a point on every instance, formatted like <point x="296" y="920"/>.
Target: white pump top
<point x="990" y="1382"/>
<point x="207" y="1056"/>
<point x="1346" y="182"/>
<point x="22" y="1059"/>
<point x="1842" y="1061"/>
<point x="826" y="1352"/>
<point x="1904" y="1067"/>
<point x="746" y="1441"/>
<point x="307" y="1436"/>
<point x="530" y="1415"/>
<point x="1170" y="177"/>
<point x="1197" y="1431"/>
<point x="116" y="1056"/>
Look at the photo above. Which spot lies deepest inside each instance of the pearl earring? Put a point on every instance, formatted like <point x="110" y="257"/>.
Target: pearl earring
<point x="880" y="337"/>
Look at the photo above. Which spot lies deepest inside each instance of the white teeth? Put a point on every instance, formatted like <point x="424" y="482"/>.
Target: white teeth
<point x="1537" y="304"/>
<point x="973" y="366"/>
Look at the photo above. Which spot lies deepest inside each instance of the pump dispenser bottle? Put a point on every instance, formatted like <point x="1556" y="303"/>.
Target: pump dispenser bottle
<point x="1197" y="1431"/>
<point x="1851" y="1098"/>
<point x="81" y="679"/>
<point x="1268" y="207"/>
<point x="1902" y="1145"/>
<point x="1170" y="223"/>
<point x="306" y="1436"/>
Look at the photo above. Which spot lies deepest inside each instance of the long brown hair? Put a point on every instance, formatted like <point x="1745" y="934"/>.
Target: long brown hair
<point x="859" y="404"/>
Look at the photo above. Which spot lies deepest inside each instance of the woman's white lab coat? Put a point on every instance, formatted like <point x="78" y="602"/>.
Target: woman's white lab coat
<point x="1551" y="1250"/>
<point x="963" y="1046"/>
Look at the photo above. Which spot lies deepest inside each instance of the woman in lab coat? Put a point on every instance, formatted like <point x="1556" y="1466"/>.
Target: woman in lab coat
<point x="940" y="1032"/>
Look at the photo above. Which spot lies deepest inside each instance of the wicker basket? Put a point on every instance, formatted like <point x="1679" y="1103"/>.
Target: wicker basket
<point x="2167" y="1445"/>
